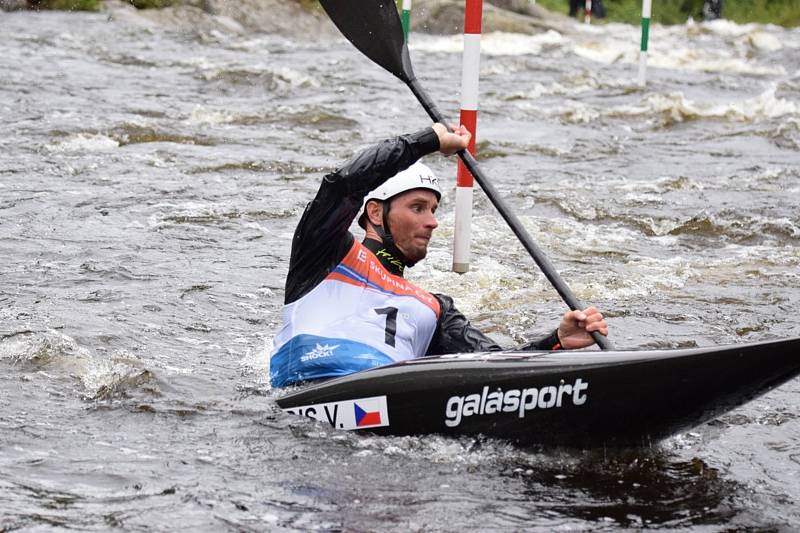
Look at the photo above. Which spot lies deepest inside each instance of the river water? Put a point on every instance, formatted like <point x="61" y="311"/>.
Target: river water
<point x="150" y="181"/>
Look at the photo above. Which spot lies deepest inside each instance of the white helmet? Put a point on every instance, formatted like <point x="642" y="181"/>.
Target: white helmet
<point x="417" y="176"/>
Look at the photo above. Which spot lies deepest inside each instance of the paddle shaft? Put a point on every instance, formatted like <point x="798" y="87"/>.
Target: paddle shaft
<point x="511" y="219"/>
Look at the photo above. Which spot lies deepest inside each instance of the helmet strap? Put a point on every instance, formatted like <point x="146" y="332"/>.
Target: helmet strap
<point x="385" y="233"/>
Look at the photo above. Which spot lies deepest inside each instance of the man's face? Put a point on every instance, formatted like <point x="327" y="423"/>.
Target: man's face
<point x="412" y="220"/>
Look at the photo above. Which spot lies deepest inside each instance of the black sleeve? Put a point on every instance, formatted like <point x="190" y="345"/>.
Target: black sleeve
<point x="454" y="334"/>
<point x="322" y="237"/>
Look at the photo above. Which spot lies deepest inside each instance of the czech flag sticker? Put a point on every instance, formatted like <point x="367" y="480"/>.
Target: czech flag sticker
<point x="365" y="418"/>
<point x="359" y="413"/>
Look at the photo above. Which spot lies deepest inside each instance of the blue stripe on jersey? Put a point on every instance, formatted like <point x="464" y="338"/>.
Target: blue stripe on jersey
<point x="352" y="274"/>
<point x="309" y="357"/>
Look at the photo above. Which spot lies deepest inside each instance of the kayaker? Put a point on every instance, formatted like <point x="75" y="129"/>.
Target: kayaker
<point x="347" y="306"/>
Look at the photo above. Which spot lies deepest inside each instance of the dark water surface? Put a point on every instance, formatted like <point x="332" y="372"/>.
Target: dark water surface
<point x="150" y="182"/>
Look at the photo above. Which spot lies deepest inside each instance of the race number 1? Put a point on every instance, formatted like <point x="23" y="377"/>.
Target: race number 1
<point x="391" y="323"/>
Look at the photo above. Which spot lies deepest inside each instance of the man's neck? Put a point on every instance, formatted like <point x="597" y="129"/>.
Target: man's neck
<point x="386" y="255"/>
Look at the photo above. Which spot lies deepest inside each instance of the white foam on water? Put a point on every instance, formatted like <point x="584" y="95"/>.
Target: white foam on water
<point x="192" y="341"/>
<point x="457" y="452"/>
<point x="489" y="285"/>
<point x="492" y="43"/>
<point x="676" y="56"/>
<point x="790" y="130"/>
<point x="495" y="281"/>
<point x="611" y="44"/>
<point x="169" y="214"/>
<point x="764" y="41"/>
<point x="677" y="107"/>
<point x="643" y="275"/>
<point x="692" y="59"/>
<point x="510" y="44"/>
<point x="690" y="46"/>
<point x="83" y="142"/>
<point x="735" y="263"/>
<point x="199" y="62"/>
<point x="203" y="115"/>
<point x="259" y="44"/>
<point x="576" y="112"/>
<point x="651" y="190"/>
<point x="106" y="374"/>
<point x="719" y="46"/>
<point x="502" y="275"/>
<point x="63" y="356"/>
<point x="255" y="361"/>
<point x="768" y="175"/>
<point x="252" y="73"/>
<point x="296" y="78"/>
<point x="260" y="228"/>
<point x="727" y="28"/>
<point x="434" y="448"/>
<point x="44" y="348"/>
<point x="574" y="85"/>
<point x="746" y="37"/>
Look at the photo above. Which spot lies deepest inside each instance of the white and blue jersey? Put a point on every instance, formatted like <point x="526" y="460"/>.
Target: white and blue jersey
<point x="360" y="316"/>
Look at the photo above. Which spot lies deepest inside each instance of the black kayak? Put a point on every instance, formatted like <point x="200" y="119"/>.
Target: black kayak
<point x="578" y="398"/>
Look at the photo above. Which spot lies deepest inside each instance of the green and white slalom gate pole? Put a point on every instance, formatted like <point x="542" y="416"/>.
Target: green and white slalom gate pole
<point x="646" y="12"/>
<point x="406" y="18"/>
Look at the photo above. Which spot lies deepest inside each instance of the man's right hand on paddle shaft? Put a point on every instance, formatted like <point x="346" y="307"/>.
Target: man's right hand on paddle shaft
<point x="450" y="143"/>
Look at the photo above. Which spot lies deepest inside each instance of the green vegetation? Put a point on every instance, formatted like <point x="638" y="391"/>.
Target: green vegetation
<point x="147" y="4"/>
<point x="66" y="5"/>
<point x="783" y="12"/>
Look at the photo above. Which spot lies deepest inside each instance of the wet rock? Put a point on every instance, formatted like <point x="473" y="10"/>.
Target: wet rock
<point x="296" y="18"/>
<point x="204" y="16"/>
<point x="513" y="16"/>
<point x="13" y="5"/>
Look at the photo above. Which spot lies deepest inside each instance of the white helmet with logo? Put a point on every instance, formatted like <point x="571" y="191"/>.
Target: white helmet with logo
<point x="417" y="176"/>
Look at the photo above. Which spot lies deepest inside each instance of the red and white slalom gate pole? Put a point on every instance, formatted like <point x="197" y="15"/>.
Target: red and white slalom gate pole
<point x="587" y="12"/>
<point x="469" y="118"/>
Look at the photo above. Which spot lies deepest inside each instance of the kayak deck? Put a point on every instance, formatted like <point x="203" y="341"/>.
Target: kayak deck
<point x="581" y="398"/>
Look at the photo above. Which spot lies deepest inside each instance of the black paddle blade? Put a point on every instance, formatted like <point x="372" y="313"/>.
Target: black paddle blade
<point x="374" y="27"/>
